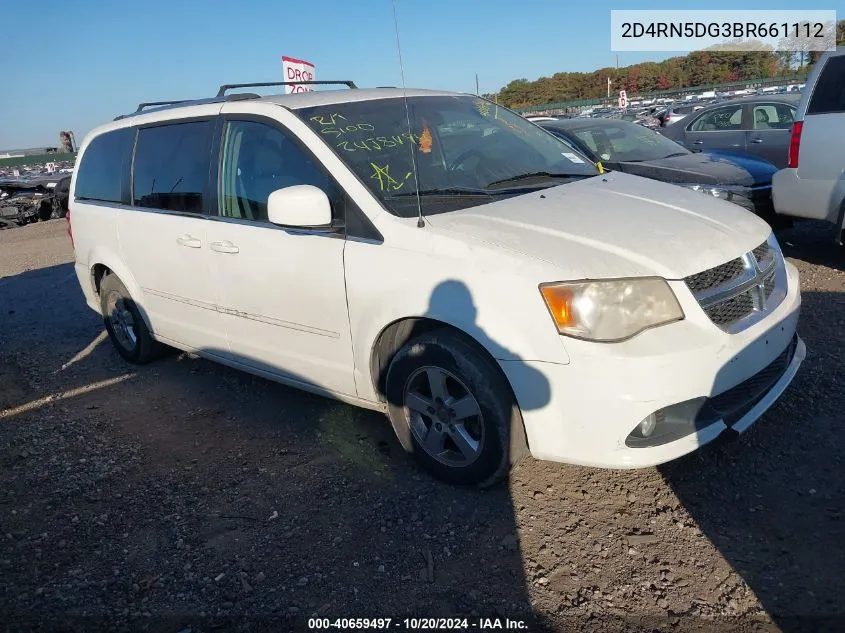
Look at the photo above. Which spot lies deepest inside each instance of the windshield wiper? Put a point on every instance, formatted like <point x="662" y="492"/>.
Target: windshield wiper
<point x="534" y="176"/>
<point x="448" y="191"/>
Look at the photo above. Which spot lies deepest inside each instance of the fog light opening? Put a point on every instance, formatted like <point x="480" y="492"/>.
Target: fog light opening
<point x="667" y="425"/>
<point x="648" y="425"/>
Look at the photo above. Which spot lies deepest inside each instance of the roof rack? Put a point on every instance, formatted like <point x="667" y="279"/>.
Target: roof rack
<point x="165" y="104"/>
<point x="149" y="104"/>
<point x="346" y="82"/>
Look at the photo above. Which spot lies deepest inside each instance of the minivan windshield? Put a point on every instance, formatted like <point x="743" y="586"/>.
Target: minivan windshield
<point x="467" y="151"/>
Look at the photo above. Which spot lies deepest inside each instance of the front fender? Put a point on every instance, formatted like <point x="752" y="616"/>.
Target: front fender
<point x="503" y="313"/>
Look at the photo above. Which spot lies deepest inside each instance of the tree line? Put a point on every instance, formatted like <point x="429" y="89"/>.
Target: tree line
<point x="698" y="68"/>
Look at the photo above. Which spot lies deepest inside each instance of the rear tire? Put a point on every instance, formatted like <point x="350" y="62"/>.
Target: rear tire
<point x="126" y="326"/>
<point x="453" y="410"/>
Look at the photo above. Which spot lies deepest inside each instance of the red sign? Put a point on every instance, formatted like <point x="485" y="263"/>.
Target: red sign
<point x="298" y="70"/>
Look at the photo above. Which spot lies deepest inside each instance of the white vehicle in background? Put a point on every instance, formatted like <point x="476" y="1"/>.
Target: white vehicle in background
<point x="813" y="183"/>
<point x="439" y="258"/>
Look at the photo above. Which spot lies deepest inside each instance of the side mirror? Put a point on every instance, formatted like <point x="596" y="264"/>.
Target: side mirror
<point x="303" y="206"/>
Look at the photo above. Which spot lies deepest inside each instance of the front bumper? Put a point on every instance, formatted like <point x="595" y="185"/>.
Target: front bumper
<point x="583" y="412"/>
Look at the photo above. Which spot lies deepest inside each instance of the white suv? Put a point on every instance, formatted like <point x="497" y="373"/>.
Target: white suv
<point x="813" y="183"/>
<point x="439" y="258"/>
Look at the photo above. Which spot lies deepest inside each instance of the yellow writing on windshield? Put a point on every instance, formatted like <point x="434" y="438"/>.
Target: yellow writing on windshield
<point x="386" y="182"/>
<point x="330" y="119"/>
<point x="483" y="107"/>
<point x="340" y="130"/>
<point x="376" y="143"/>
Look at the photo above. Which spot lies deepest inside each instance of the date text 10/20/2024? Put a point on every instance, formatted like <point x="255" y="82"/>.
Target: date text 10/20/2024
<point x="418" y="624"/>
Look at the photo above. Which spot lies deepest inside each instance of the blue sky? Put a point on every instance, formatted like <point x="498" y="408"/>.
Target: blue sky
<point x="100" y="58"/>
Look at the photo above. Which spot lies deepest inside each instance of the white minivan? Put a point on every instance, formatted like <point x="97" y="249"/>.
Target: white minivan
<point x="439" y="258"/>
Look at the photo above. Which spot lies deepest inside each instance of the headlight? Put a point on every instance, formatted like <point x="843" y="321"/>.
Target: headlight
<point x="737" y="195"/>
<point x="610" y="310"/>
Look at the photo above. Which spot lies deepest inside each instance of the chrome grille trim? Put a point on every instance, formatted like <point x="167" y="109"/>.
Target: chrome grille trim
<point x="735" y="298"/>
<point x="717" y="276"/>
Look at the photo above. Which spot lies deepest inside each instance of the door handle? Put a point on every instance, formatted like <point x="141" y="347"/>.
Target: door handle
<point x="756" y="140"/>
<point x="189" y="240"/>
<point x="698" y="142"/>
<point x="224" y="247"/>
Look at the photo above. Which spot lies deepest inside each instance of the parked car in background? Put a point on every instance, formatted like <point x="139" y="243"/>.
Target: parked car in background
<point x="759" y="126"/>
<point x="485" y="286"/>
<point x="813" y="183"/>
<point x="674" y="113"/>
<point x="640" y="116"/>
<point x="633" y="149"/>
<point x="32" y="198"/>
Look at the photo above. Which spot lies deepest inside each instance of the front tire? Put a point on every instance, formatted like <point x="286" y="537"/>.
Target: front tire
<point x="126" y="326"/>
<point x="453" y="410"/>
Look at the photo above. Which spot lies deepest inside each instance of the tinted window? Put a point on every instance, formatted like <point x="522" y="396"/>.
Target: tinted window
<point x="773" y="116"/>
<point x="171" y="166"/>
<point x="829" y="93"/>
<point x="257" y="160"/>
<point x="727" y="118"/>
<point x="104" y="171"/>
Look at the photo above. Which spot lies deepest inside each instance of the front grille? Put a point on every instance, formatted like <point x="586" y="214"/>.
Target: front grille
<point x="739" y="399"/>
<point x="715" y="277"/>
<point x="769" y="285"/>
<point x="732" y="310"/>
<point x="763" y="255"/>
<point x="735" y="290"/>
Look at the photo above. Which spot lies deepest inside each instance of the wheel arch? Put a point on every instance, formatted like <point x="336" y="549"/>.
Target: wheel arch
<point x="102" y="263"/>
<point x="396" y="334"/>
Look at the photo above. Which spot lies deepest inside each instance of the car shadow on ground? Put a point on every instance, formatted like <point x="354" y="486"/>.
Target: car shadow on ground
<point x="772" y="501"/>
<point x="194" y="495"/>
<point x="812" y="242"/>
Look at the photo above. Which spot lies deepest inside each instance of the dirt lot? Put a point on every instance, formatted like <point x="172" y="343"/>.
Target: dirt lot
<point x="186" y="496"/>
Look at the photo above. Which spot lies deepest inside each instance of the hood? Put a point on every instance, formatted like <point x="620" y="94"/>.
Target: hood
<point x="615" y="225"/>
<point x="706" y="168"/>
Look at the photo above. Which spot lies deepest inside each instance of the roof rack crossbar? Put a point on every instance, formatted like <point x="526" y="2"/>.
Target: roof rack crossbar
<point x="225" y="87"/>
<point x="150" y="104"/>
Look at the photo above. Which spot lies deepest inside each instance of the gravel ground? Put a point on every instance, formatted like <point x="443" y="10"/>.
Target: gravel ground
<point x="186" y="496"/>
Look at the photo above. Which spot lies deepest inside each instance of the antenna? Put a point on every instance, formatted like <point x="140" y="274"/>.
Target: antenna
<point x="420" y="221"/>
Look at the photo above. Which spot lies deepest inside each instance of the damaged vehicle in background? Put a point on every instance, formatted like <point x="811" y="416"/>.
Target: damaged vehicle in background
<point x="622" y="146"/>
<point x="25" y="200"/>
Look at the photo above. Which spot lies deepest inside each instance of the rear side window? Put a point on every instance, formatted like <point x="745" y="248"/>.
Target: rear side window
<point x="104" y="170"/>
<point x="773" y="116"/>
<point x="829" y="93"/>
<point x="171" y="166"/>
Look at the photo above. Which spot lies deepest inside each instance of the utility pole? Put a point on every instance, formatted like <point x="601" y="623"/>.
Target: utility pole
<point x="617" y="62"/>
<point x="608" y="87"/>
<point x="476" y="83"/>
